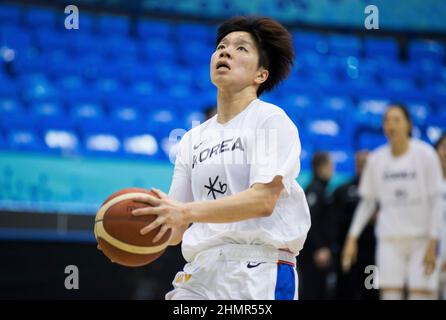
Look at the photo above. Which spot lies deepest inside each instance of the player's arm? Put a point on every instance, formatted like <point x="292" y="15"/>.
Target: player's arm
<point x="255" y="202"/>
<point x="434" y="170"/>
<point x="361" y="217"/>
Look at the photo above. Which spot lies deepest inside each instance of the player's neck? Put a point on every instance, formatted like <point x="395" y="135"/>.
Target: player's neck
<point x="230" y="104"/>
<point x="399" y="148"/>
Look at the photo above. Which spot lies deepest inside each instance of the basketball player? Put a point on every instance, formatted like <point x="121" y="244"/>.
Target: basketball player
<point x="404" y="177"/>
<point x="234" y="180"/>
<point x="440" y="146"/>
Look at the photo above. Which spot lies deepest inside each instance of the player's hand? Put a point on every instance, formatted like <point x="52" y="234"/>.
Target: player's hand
<point x="430" y="257"/>
<point x="322" y="258"/>
<point x="349" y="253"/>
<point x="169" y="211"/>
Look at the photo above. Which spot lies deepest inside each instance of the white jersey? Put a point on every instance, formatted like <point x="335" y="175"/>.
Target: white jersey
<point x="443" y="230"/>
<point x="217" y="160"/>
<point x="403" y="186"/>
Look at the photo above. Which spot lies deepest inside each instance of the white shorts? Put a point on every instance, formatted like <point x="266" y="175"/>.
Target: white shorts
<point x="237" y="272"/>
<point x="400" y="263"/>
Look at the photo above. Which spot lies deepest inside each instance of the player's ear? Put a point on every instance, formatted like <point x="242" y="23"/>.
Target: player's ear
<point x="262" y="75"/>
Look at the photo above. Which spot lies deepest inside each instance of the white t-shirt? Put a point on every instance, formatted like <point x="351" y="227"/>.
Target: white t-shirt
<point x="217" y="160"/>
<point x="443" y="230"/>
<point x="402" y="186"/>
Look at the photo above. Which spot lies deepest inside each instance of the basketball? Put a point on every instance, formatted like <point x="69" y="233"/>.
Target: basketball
<point x="117" y="231"/>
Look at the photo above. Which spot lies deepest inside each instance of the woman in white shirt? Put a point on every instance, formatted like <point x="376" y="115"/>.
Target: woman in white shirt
<point x="234" y="201"/>
<point x="404" y="178"/>
<point x="440" y="146"/>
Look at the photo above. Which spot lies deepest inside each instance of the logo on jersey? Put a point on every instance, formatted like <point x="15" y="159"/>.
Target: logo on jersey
<point x="214" y="189"/>
<point x="400" y="175"/>
<point x="183" y="277"/>
<point x="224" y="146"/>
<point x="253" y="265"/>
<point x="198" y="146"/>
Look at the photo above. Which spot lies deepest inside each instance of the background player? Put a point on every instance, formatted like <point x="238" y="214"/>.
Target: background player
<point x="404" y="177"/>
<point x="440" y="146"/>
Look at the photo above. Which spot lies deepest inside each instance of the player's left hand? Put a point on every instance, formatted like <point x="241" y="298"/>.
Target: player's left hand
<point x="169" y="211"/>
<point x="430" y="257"/>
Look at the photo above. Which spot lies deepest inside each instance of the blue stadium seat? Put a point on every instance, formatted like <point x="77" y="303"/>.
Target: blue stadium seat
<point x="108" y="87"/>
<point x="13" y="116"/>
<point x="437" y="93"/>
<point x="149" y="30"/>
<point x="162" y="121"/>
<point x="10" y="14"/>
<point x="187" y="32"/>
<point x="429" y="71"/>
<point x="14" y="37"/>
<point x="343" y="159"/>
<point x="144" y="146"/>
<point x="161" y="50"/>
<point x="103" y="144"/>
<point x="342" y="104"/>
<point x="126" y="120"/>
<point x="377" y="47"/>
<point x="65" y="142"/>
<point x="193" y="118"/>
<point x="196" y="53"/>
<point x="327" y="133"/>
<point x="344" y="45"/>
<point x="36" y="87"/>
<point x="109" y="24"/>
<point x="399" y="89"/>
<point x="119" y="47"/>
<point x="420" y="112"/>
<point x="40" y="17"/>
<point x="81" y="45"/>
<point x="144" y="93"/>
<point x="310" y="41"/>
<point x="370" y="140"/>
<point x="90" y="118"/>
<point x="50" y="115"/>
<point x="435" y="126"/>
<point x="24" y="140"/>
<point x="426" y="49"/>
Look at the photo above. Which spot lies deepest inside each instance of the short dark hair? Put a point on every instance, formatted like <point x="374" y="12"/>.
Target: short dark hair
<point x="318" y="160"/>
<point x="404" y="110"/>
<point x="440" y="141"/>
<point x="274" y="44"/>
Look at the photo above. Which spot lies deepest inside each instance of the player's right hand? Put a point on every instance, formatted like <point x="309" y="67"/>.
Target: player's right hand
<point x="349" y="253"/>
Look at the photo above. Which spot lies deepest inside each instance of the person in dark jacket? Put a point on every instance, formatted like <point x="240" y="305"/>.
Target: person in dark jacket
<point x="345" y="200"/>
<point x="315" y="259"/>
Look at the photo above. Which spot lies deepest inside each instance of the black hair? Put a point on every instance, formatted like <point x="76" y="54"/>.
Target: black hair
<point x="274" y="44"/>
<point x="318" y="160"/>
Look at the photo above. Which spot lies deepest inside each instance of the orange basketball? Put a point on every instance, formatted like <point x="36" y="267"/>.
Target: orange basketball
<point x="118" y="231"/>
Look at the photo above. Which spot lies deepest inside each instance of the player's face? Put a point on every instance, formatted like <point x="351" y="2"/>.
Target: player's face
<point x="235" y="62"/>
<point x="396" y="126"/>
<point x="441" y="149"/>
